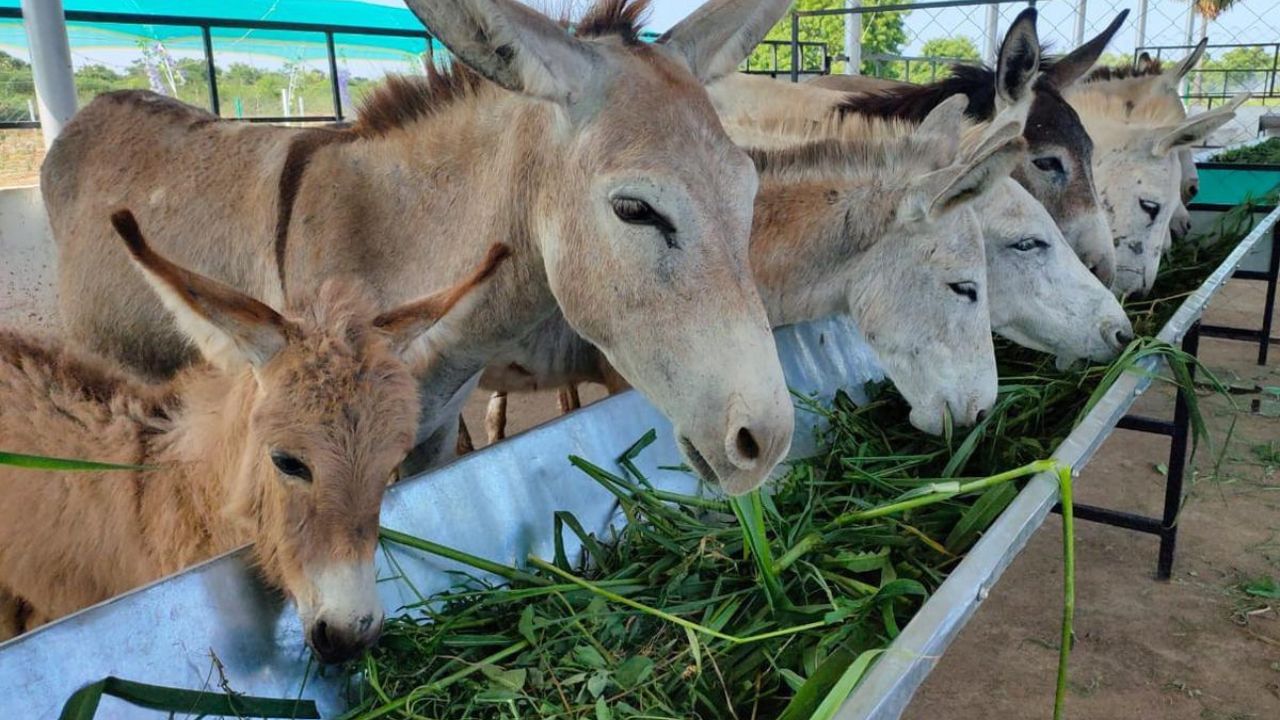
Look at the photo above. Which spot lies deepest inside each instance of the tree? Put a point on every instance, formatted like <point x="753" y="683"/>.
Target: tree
<point x="1245" y="68"/>
<point x="1208" y="10"/>
<point x="946" y="51"/>
<point x="882" y="34"/>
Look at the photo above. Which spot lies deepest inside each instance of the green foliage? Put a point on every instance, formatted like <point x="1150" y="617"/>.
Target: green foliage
<point x="882" y="33"/>
<point x="948" y="50"/>
<point x="1263" y="153"/>
<point x="1248" y="69"/>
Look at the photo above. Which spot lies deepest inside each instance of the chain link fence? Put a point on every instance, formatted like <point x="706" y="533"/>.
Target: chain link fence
<point x="918" y="41"/>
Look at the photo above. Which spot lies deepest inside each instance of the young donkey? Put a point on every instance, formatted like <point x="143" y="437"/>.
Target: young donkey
<point x="596" y="156"/>
<point x="286" y="439"/>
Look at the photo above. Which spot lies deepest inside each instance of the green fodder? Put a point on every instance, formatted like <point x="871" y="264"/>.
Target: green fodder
<point x="770" y="606"/>
<point x="1263" y="153"/>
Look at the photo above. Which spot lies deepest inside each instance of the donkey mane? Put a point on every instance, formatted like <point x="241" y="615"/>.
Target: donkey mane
<point x="404" y="99"/>
<point x="976" y="82"/>
<point x="1095" y="102"/>
<point x="1124" y="72"/>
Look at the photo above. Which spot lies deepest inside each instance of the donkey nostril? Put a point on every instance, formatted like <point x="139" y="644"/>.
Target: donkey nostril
<point x="1123" y="337"/>
<point x="1135" y="248"/>
<point x="982" y="415"/>
<point x="746" y="444"/>
<point x="321" y="640"/>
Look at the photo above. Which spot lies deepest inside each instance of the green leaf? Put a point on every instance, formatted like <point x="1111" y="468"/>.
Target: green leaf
<point x="509" y="679"/>
<point x="83" y="704"/>
<point x="597" y="683"/>
<point x="602" y="710"/>
<point x="526" y="626"/>
<point x="979" y="516"/>
<point x="844" y="687"/>
<point x="1266" y="587"/>
<point x="589" y="656"/>
<point x="37" y="462"/>
<point x="633" y="672"/>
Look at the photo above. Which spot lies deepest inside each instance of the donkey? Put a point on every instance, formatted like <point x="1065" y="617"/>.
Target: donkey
<point x="1058" y="169"/>
<point x="1138" y="172"/>
<point x="843" y="227"/>
<point x="1041" y="296"/>
<point x="597" y="157"/>
<point x="286" y="439"/>
<point x="1149" y="81"/>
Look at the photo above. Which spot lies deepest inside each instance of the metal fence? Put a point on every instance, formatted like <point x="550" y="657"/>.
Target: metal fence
<point x="329" y="34"/>
<point x="927" y="37"/>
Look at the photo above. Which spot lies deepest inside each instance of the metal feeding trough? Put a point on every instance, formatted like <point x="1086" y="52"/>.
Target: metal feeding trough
<point x="214" y="622"/>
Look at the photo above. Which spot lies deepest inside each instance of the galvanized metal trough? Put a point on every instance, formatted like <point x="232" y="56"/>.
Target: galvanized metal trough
<point x="499" y="503"/>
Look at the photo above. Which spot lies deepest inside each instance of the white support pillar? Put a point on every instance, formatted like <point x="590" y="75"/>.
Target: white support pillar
<point x="853" y="38"/>
<point x="46" y="27"/>
<point x="993" y="34"/>
<point x="1082" y="10"/>
<point x="1140" y="39"/>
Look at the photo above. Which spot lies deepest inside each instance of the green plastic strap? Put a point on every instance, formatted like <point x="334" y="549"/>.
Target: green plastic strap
<point x="83" y="705"/>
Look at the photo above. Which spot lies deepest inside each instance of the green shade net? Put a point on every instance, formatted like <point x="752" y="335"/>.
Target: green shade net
<point x="86" y="38"/>
<point x="1232" y="187"/>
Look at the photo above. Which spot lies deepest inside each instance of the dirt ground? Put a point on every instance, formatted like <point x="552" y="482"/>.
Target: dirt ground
<point x="21" y="152"/>
<point x="1197" y="647"/>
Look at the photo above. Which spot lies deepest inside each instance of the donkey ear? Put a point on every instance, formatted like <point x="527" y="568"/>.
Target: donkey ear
<point x="412" y="320"/>
<point x="1019" y="60"/>
<point x="721" y="33"/>
<point x="512" y="45"/>
<point x="1189" y="64"/>
<point x="947" y="118"/>
<point x="230" y="328"/>
<point x="1195" y="128"/>
<point x="1071" y="67"/>
<point x="992" y="162"/>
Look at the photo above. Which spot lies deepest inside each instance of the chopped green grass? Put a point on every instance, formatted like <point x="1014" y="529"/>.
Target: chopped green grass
<point x="770" y="606"/>
<point x="1263" y="153"/>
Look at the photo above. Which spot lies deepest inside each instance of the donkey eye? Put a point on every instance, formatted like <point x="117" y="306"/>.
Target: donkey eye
<point x="1150" y="208"/>
<point x="1049" y="164"/>
<point x="634" y="211"/>
<point x="1028" y="244"/>
<point x="965" y="289"/>
<point x="290" y="465"/>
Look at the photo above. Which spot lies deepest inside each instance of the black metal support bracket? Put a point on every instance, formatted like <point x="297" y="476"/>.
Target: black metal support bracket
<point x="1262" y="336"/>
<point x="1179" y="432"/>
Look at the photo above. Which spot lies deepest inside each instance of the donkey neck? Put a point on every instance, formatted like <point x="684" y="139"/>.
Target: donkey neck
<point x="184" y="508"/>
<point x="805" y="252"/>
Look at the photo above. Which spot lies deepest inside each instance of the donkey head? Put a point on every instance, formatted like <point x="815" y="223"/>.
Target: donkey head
<point x="332" y="410"/>
<point x="1041" y="294"/>
<point x="1139" y="179"/>
<point x="643" y="222"/>
<point x="1058" y="168"/>
<point x="924" y="306"/>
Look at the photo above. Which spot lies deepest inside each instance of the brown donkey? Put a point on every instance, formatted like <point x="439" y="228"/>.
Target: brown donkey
<point x="286" y="439"/>
<point x="598" y="157"/>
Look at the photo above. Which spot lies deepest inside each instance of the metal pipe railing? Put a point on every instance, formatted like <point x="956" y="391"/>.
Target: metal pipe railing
<point x="206" y="25"/>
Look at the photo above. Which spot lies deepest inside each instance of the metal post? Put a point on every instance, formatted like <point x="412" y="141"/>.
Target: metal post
<point x="1142" y="24"/>
<point x="853" y="38"/>
<point x="1081" y="11"/>
<point x="46" y="27"/>
<point x="795" y="48"/>
<point x="333" y="75"/>
<point x="1268" y="310"/>
<point x="1275" y="66"/>
<point x="210" y="70"/>
<point x="993" y="33"/>
<point x="1177" y="463"/>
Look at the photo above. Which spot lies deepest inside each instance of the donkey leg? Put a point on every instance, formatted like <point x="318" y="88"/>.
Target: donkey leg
<point x="569" y="400"/>
<point x="495" y="418"/>
<point x="464" y="438"/>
